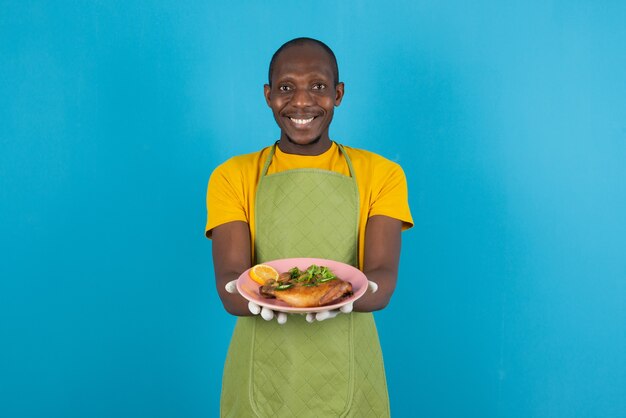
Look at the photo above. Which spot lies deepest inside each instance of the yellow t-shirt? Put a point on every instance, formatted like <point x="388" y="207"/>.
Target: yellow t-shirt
<point x="381" y="183"/>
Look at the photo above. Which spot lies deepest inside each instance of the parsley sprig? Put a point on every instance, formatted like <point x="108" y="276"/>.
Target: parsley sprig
<point x="312" y="276"/>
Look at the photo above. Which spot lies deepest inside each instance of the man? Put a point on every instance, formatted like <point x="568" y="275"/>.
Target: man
<point x="268" y="205"/>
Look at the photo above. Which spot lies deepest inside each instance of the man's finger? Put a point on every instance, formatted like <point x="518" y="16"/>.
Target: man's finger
<point x="347" y="308"/>
<point x="231" y="287"/>
<point x="320" y="316"/>
<point x="324" y="315"/>
<point x="267" y="314"/>
<point x="254" y="308"/>
<point x="373" y="287"/>
<point x="281" y="317"/>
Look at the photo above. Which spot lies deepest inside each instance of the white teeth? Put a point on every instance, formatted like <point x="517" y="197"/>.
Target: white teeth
<point x="301" y="121"/>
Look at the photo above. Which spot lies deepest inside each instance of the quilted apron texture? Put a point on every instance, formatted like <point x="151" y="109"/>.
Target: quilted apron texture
<point x="332" y="368"/>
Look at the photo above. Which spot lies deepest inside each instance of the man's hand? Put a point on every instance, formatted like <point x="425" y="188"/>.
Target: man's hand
<point x="266" y="313"/>
<point x="347" y="308"/>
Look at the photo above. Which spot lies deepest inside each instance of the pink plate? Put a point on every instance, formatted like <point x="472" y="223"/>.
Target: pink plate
<point x="249" y="289"/>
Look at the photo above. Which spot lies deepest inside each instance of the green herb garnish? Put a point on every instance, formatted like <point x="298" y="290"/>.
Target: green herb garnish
<point x="312" y="276"/>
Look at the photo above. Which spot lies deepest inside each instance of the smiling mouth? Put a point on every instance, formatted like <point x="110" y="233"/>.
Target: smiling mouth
<point x="301" y="121"/>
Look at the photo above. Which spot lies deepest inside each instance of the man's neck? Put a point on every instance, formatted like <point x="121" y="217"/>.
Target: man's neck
<point x="316" y="148"/>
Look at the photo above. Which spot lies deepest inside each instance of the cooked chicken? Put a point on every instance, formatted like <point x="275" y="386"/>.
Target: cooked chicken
<point x="301" y="296"/>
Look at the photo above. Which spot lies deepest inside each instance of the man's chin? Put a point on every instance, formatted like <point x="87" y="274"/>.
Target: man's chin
<point x="303" y="141"/>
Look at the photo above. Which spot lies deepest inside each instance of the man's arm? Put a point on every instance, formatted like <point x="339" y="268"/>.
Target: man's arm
<point x="380" y="261"/>
<point x="231" y="257"/>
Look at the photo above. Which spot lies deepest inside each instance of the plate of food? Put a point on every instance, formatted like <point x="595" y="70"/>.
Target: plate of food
<point x="302" y="285"/>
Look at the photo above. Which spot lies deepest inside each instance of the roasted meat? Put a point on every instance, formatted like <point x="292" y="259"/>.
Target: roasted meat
<point x="301" y="295"/>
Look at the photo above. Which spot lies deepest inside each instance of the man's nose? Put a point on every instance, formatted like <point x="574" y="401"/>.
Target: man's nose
<point x="302" y="98"/>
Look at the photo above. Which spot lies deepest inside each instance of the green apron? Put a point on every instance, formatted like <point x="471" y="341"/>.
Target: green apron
<point x="332" y="368"/>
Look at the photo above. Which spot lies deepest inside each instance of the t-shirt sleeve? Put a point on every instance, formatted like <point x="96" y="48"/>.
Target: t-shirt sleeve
<point x="390" y="196"/>
<point x="225" y="198"/>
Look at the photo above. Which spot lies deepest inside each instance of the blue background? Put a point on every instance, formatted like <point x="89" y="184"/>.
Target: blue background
<point x="509" y="120"/>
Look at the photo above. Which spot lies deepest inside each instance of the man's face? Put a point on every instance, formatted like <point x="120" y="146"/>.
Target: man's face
<point x="303" y="94"/>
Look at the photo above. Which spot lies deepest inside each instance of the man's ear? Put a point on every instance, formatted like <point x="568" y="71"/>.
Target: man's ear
<point x="339" y="90"/>
<point x="266" y="92"/>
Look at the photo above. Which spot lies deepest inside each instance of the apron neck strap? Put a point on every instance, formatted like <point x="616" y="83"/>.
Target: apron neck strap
<point x="273" y="151"/>
<point x="269" y="159"/>
<point x="345" y="154"/>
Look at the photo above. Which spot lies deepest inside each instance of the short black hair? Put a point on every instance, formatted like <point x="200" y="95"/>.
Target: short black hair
<point x="302" y="41"/>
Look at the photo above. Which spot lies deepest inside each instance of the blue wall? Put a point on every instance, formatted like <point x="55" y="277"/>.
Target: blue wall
<point x="509" y="120"/>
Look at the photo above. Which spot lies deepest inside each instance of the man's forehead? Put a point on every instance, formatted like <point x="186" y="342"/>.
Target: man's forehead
<point x="298" y="59"/>
<point x="311" y="69"/>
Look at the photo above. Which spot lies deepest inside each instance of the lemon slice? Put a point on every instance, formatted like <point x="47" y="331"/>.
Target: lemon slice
<point x="262" y="273"/>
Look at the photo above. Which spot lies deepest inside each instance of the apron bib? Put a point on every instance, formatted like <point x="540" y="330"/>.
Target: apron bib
<point x="326" y="369"/>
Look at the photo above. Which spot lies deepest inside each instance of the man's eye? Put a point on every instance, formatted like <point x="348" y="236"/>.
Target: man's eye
<point x="284" y="88"/>
<point x="319" y="86"/>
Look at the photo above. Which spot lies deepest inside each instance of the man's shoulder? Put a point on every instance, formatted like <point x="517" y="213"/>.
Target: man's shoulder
<point x="243" y="162"/>
<point x="369" y="158"/>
